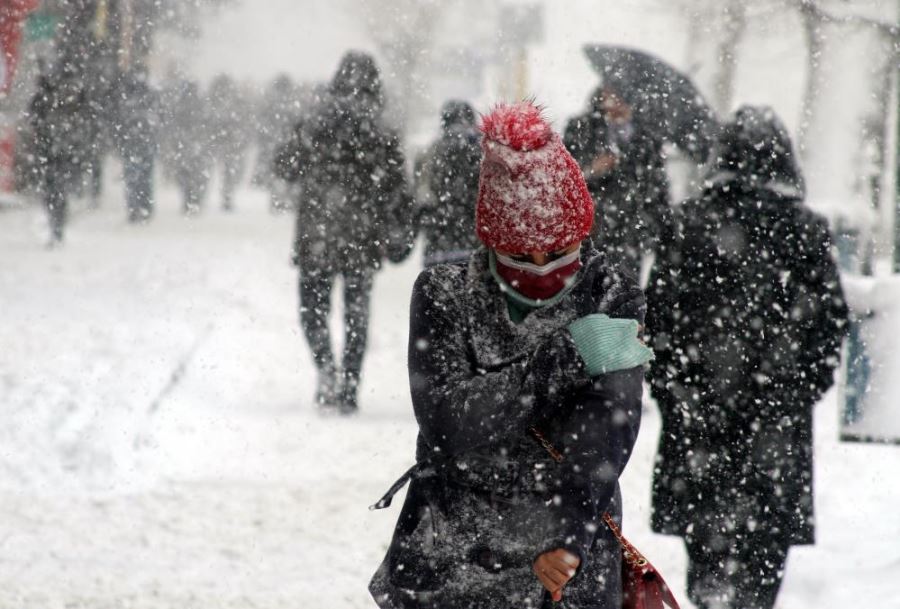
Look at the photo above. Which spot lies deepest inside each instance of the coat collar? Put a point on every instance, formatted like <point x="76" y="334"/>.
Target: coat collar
<point x="496" y="340"/>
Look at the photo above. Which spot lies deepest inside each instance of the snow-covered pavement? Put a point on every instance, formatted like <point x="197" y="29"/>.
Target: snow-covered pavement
<point x="159" y="447"/>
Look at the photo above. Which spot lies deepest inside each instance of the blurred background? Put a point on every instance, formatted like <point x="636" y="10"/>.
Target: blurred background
<point x="159" y="442"/>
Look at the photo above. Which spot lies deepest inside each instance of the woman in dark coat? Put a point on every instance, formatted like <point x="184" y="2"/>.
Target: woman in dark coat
<point x="355" y="212"/>
<point x="525" y="373"/>
<point x="747" y="315"/>
<point x="446" y="184"/>
<point x="59" y="116"/>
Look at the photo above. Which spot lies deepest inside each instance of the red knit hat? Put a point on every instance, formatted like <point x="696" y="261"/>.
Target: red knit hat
<point x="531" y="196"/>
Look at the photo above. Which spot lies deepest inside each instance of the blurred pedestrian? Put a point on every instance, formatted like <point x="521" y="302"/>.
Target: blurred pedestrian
<point x="59" y="119"/>
<point x="526" y="372"/>
<point x="623" y="161"/>
<point x="355" y="211"/>
<point x="747" y="315"/>
<point x="447" y="186"/>
<point x="229" y="121"/>
<point x="185" y="143"/>
<point x="135" y="135"/>
<point x="276" y="117"/>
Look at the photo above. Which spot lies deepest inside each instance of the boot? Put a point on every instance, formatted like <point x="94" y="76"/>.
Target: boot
<point x="326" y="389"/>
<point x="347" y="402"/>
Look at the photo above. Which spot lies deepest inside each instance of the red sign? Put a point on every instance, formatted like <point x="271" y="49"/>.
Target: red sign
<point x="12" y="14"/>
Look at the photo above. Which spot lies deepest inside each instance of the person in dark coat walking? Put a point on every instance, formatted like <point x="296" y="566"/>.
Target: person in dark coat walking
<point x="525" y="371"/>
<point x="135" y="135"/>
<point x="185" y="144"/>
<point x="447" y="186"/>
<point x="60" y="122"/>
<point x="355" y="212"/>
<point x="229" y="121"/>
<point x="624" y="164"/>
<point x="747" y="315"/>
<point x="277" y="115"/>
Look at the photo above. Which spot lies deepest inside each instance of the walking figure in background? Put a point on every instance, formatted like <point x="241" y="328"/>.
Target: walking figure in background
<point x="525" y="371"/>
<point x="98" y="90"/>
<point x="61" y="127"/>
<point x="447" y="186"/>
<point x="134" y="134"/>
<point x="185" y="144"/>
<point x="278" y="114"/>
<point x="623" y="161"/>
<point x="747" y="315"/>
<point x="228" y="120"/>
<point x="355" y="211"/>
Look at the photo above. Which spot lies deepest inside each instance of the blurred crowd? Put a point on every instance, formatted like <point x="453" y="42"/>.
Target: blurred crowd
<point x="745" y="311"/>
<point x="192" y="135"/>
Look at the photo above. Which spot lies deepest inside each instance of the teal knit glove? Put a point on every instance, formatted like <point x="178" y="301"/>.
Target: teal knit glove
<point x="606" y="344"/>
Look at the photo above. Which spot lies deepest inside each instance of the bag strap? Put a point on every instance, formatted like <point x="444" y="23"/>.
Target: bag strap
<point x="629" y="552"/>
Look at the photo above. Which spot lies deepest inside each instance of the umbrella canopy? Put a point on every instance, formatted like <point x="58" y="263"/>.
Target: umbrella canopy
<point x="659" y="95"/>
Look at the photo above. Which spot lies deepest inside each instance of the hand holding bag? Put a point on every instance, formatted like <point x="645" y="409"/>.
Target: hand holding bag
<point x="642" y="585"/>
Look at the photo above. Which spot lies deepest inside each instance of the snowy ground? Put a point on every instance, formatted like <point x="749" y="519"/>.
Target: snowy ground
<point x="159" y="448"/>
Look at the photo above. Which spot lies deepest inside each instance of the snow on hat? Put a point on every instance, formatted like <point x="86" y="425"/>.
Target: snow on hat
<point x="531" y="195"/>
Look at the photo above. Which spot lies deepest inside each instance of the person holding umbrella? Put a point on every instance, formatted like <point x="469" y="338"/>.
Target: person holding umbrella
<point x="624" y="164"/>
<point x="642" y="105"/>
<point x="526" y="376"/>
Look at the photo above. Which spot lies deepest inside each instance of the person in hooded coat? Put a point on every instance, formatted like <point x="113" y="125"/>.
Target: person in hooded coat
<point x="447" y="186"/>
<point x="278" y="113"/>
<point x="624" y="164"/>
<point x="526" y="371"/>
<point x="229" y="119"/>
<point x="356" y="210"/>
<point x="746" y="313"/>
<point x="134" y="134"/>
<point x="60" y="122"/>
<point x="185" y="143"/>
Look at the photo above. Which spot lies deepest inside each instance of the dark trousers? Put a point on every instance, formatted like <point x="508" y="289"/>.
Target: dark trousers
<point x="736" y="571"/>
<point x="315" y="306"/>
<point x="193" y="182"/>
<point x="55" y="199"/>
<point x="138" y="172"/>
<point x="232" y="168"/>
<point x="55" y="183"/>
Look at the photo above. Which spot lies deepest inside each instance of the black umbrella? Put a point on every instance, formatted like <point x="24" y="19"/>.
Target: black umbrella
<point x="659" y="95"/>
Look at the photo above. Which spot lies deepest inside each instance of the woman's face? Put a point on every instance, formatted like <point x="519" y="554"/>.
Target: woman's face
<point x="540" y="258"/>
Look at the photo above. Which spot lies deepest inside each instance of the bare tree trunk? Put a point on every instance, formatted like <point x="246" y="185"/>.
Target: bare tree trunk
<point x="403" y="32"/>
<point x="734" y="16"/>
<point x="815" y="43"/>
<point x="886" y="141"/>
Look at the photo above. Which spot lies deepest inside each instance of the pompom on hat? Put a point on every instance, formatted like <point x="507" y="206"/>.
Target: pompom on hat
<point x="532" y="196"/>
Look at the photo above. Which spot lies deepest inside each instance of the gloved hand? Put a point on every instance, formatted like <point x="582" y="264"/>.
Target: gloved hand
<point x="607" y="344"/>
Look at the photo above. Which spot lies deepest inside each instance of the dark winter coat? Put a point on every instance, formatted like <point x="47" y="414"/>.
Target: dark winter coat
<point x="60" y="120"/>
<point x="277" y="116"/>
<point x="746" y="313"/>
<point x="447" y="187"/>
<point x="185" y="137"/>
<point x="356" y="208"/>
<point x="632" y="199"/>
<point x="136" y="124"/>
<point x="487" y="499"/>
<point x="229" y="121"/>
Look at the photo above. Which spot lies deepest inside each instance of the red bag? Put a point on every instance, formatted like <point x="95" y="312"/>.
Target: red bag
<point x="642" y="585"/>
